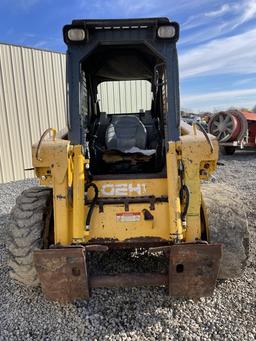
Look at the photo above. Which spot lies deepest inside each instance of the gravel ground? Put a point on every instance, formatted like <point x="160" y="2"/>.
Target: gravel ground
<point x="136" y="314"/>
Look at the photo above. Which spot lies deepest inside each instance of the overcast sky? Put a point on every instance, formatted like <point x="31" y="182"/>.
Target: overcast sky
<point x="217" y="47"/>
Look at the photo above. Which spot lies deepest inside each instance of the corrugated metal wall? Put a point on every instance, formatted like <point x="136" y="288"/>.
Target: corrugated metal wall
<point x="125" y="96"/>
<point x="32" y="99"/>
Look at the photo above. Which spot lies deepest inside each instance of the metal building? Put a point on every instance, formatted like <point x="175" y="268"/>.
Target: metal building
<point x="32" y="99"/>
<point x="125" y="96"/>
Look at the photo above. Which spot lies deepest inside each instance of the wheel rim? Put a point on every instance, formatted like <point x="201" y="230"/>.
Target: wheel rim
<point x="224" y="126"/>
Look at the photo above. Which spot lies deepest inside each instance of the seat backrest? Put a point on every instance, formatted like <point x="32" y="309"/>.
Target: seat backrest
<point x="125" y="132"/>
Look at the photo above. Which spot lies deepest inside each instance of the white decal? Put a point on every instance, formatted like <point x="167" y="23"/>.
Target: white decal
<point x="107" y="190"/>
<point x="128" y="216"/>
<point x="122" y="190"/>
<point x="143" y="187"/>
<point x="134" y="189"/>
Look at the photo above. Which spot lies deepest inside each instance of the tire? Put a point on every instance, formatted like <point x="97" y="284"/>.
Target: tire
<point x="227" y="225"/>
<point x="28" y="230"/>
<point x="227" y="150"/>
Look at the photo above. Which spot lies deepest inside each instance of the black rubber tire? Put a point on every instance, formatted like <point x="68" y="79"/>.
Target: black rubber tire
<point x="28" y="230"/>
<point x="228" y="225"/>
<point x="227" y="150"/>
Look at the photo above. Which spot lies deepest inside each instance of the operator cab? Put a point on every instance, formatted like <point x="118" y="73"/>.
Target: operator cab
<point x="122" y="89"/>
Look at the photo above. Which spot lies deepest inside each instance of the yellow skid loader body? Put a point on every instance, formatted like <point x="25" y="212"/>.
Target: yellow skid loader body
<point x="131" y="218"/>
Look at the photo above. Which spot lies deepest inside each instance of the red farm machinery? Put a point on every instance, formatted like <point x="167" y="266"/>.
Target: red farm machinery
<point x="234" y="129"/>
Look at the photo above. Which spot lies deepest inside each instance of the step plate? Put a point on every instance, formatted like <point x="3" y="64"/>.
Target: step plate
<point x="193" y="269"/>
<point x="62" y="273"/>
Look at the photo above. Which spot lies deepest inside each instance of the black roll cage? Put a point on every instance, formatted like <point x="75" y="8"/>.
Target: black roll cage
<point x="117" y="33"/>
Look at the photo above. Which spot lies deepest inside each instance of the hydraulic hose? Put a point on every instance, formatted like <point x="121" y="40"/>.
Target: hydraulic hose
<point x="184" y="192"/>
<point x="93" y="203"/>
<point x="201" y="128"/>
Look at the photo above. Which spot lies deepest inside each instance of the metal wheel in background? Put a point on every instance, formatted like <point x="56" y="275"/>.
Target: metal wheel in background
<point x="224" y="126"/>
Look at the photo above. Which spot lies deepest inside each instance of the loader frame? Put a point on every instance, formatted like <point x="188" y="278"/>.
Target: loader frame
<point x="165" y="220"/>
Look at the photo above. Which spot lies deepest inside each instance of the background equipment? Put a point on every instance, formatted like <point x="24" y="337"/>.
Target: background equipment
<point x="234" y="129"/>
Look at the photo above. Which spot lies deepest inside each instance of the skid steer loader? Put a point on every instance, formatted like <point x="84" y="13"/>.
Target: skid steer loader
<point x="125" y="176"/>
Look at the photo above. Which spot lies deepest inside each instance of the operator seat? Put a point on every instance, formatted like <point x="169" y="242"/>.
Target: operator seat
<point x="127" y="134"/>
